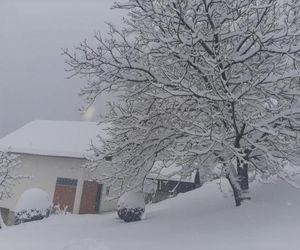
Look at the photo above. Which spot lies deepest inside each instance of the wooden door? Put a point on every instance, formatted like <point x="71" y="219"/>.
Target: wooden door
<point x="90" y="198"/>
<point x="65" y="191"/>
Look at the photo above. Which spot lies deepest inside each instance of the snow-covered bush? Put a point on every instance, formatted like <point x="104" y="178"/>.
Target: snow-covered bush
<point x="34" y="204"/>
<point x="60" y="211"/>
<point x="131" y="206"/>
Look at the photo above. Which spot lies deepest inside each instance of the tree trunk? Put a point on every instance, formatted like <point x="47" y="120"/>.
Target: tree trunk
<point x="239" y="183"/>
<point x="2" y="224"/>
<point x="197" y="181"/>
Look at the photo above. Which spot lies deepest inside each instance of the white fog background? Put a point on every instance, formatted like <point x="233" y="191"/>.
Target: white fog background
<point x="33" y="82"/>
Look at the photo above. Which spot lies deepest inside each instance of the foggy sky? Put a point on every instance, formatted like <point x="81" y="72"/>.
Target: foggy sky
<point x="33" y="82"/>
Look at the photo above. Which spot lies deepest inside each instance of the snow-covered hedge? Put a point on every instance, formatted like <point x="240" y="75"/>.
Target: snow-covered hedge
<point x="34" y="204"/>
<point x="131" y="206"/>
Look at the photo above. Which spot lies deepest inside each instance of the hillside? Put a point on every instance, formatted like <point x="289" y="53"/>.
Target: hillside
<point x="204" y="219"/>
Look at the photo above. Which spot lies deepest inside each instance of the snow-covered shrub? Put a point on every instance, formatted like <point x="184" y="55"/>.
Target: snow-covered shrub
<point x="131" y="206"/>
<point x="34" y="204"/>
<point x="60" y="211"/>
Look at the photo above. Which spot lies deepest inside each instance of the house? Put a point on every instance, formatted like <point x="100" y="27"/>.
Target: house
<point x="53" y="154"/>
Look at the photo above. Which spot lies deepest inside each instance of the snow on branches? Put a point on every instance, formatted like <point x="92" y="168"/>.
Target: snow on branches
<point x="200" y="83"/>
<point x="8" y="177"/>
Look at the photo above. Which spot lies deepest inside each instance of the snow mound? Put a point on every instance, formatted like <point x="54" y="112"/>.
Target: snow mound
<point x="33" y="198"/>
<point x="132" y="199"/>
<point x="85" y="244"/>
<point x="33" y="204"/>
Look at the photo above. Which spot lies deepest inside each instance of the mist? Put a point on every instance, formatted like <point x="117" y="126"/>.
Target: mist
<point x="33" y="81"/>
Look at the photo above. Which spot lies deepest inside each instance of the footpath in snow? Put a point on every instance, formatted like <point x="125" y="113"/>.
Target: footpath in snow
<point x="204" y="219"/>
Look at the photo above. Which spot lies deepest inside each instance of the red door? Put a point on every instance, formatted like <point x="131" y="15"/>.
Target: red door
<point x="65" y="191"/>
<point x="90" y="198"/>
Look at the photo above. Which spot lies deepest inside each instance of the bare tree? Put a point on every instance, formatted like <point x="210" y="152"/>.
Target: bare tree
<point x="200" y="83"/>
<point x="8" y="176"/>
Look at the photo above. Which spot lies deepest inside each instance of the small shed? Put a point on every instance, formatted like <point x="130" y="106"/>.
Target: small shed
<point x="170" y="179"/>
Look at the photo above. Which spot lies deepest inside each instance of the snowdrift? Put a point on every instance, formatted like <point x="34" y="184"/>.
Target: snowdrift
<point x="203" y="219"/>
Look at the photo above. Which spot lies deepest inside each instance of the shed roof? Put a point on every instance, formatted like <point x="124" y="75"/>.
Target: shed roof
<point x="170" y="171"/>
<point x="54" y="138"/>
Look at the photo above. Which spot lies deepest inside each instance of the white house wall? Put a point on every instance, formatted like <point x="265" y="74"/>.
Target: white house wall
<point x="43" y="172"/>
<point x="109" y="202"/>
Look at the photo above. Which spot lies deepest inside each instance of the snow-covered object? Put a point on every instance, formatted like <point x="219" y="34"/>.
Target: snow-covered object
<point x="34" y="204"/>
<point x="131" y="206"/>
<point x="54" y="138"/>
<point x="170" y="171"/>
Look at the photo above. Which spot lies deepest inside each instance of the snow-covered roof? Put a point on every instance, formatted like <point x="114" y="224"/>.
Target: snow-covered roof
<point x="54" y="138"/>
<point x="170" y="171"/>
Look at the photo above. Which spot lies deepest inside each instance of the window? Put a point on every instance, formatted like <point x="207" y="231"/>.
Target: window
<point x="66" y="182"/>
<point x="107" y="191"/>
<point x="108" y="158"/>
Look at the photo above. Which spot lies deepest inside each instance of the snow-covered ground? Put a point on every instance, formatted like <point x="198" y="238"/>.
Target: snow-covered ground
<point x="204" y="219"/>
